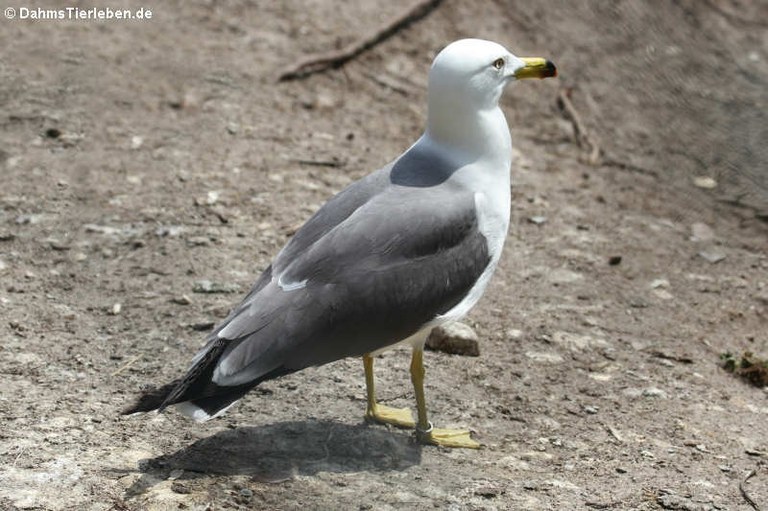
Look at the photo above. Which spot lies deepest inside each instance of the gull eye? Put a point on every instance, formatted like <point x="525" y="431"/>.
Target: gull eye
<point x="498" y="63"/>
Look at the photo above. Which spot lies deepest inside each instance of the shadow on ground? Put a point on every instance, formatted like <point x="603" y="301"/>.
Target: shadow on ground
<point x="276" y="452"/>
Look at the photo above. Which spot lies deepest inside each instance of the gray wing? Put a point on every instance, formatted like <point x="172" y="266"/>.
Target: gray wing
<point x="391" y="266"/>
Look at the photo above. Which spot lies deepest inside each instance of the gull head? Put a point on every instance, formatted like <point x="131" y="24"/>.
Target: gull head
<point x="473" y="73"/>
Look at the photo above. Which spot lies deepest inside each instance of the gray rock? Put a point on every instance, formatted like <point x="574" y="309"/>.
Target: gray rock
<point x="713" y="256"/>
<point x="454" y="338"/>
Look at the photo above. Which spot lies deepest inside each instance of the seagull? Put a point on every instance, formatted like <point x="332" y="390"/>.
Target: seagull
<point x="405" y="249"/>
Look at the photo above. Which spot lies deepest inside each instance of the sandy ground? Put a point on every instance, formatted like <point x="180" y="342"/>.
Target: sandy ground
<point x="141" y="158"/>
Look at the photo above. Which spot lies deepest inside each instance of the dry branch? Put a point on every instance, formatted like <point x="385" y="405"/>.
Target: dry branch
<point x="746" y="495"/>
<point x="336" y="59"/>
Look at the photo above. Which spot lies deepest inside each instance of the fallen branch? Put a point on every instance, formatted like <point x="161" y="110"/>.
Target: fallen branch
<point x="336" y="59"/>
<point x="746" y="495"/>
<point x="583" y="138"/>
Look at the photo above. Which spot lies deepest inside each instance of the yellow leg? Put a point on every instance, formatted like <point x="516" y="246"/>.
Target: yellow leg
<point x="424" y="430"/>
<point x="400" y="417"/>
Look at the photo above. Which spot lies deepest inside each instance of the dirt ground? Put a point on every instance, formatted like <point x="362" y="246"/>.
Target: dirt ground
<point x="141" y="158"/>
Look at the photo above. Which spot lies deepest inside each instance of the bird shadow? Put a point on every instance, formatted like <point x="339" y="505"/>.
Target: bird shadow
<point x="278" y="452"/>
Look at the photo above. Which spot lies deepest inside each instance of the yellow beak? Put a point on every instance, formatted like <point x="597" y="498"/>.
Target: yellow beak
<point x="536" y="67"/>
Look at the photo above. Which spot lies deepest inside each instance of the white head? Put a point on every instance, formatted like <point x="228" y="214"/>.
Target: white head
<point x="473" y="73"/>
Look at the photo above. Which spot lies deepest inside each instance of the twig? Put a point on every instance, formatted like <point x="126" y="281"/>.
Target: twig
<point x="336" y="59"/>
<point x="676" y="358"/>
<point x="601" y="505"/>
<point x="743" y="490"/>
<point x="125" y="366"/>
<point x="628" y="166"/>
<point x="335" y="163"/>
<point x="583" y="138"/>
<point x="614" y="433"/>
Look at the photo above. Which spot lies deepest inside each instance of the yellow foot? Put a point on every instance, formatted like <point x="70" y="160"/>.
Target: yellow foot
<point x="448" y="438"/>
<point x="400" y="417"/>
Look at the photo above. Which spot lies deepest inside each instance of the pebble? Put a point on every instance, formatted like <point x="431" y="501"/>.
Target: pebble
<point x="199" y="241"/>
<point x="537" y="220"/>
<point x="28" y="219"/>
<point x="454" y="338"/>
<point x="712" y="256"/>
<point x="202" y="326"/>
<point x="207" y="286"/>
<point x="701" y="232"/>
<point x="181" y="300"/>
<point x="169" y="230"/>
<point x="654" y="392"/>
<point x="705" y="182"/>
<point x="115" y="310"/>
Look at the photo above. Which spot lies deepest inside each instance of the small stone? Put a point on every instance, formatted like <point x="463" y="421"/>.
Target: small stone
<point x="659" y="283"/>
<point x="57" y="245"/>
<point x="712" y="256"/>
<point x="725" y="468"/>
<point x="704" y="182"/>
<point x="663" y="294"/>
<point x="212" y="197"/>
<point x="454" y="338"/>
<point x="206" y="286"/>
<point x="28" y="219"/>
<point x="514" y="334"/>
<point x="115" y="310"/>
<point x="592" y="410"/>
<point x="181" y="300"/>
<point x="246" y="492"/>
<point x="701" y="232"/>
<point x="180" y="488"/>
<point x="654" y="392"/>
<point x="202" y="326"/>
<point x="233" y="128"/>
<point x="537" y="220"/>
<point x="169" y="230"/>
<point x="136" y="142"/>
<point x="175" y="474"/>
<point x="488" y="491"/>
<point x="199" y="241"/>
<point x="3" y="266"/>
